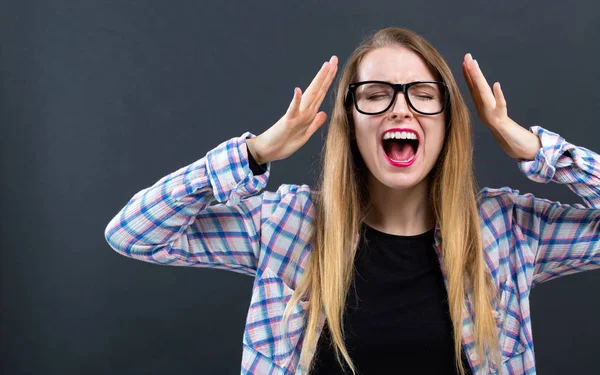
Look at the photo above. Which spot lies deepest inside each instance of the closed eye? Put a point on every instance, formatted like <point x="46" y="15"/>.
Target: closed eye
<point x="376" y="97"/>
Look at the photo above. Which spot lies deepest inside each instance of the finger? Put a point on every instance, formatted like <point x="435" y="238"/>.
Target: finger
<point x="466" y="73"/>
<point x="500" y="100"/>
<point x="325" y="86"/>
<point x="314" y="86"/>
<point x="480" y="84"/>
<point x="317" y="122"/>
<point x="467" y="77"/>
<point x="314" y="102"/>
<point x="294" y="107"/>
<point x="474" y="94"/>
<point x="318" y="98"/>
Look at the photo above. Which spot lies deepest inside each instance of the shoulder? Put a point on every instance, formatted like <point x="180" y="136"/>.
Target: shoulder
<point x="300" y="197"/>
<point x="489" y="192"/>
<point x="287" y="229"/>
<point x="497" y="205"/>
<point x="507" y="197"/>
<point x="289" y="212"/>
<point x="505" y="207"/>
<point x="489" y="197"/>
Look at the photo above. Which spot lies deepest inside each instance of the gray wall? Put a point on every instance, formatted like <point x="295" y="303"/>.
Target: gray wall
<point x="102" y="98"/>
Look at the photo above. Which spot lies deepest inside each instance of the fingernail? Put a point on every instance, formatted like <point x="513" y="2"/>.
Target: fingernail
<point x="499" y="86"/>
<point x="477" y="64"/>
<point x="470" y="56"/>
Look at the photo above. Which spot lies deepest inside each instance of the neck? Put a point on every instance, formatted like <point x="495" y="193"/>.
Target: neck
<point x="403" y="212"/>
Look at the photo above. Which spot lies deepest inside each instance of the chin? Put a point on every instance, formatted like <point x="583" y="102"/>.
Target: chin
<point x="400" y="182"/>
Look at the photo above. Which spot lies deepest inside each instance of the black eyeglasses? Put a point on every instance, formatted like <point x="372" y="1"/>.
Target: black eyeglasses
<point x="375" y="97"/>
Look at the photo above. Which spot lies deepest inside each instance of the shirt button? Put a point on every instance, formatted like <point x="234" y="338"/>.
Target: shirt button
<point x="473" y="356"/>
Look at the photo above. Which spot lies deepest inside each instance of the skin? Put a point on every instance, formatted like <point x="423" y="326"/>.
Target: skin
<point x="400" y="195"/>
<point x="515" y="140"/>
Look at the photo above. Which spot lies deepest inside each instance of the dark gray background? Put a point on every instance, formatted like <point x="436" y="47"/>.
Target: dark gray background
<point x="102" y="98"/>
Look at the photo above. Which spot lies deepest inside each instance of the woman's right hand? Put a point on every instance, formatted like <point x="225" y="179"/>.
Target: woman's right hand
<point x="300" y="121"/>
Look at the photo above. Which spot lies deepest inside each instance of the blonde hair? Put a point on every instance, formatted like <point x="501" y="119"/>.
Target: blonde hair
<point x="342" y="202"/>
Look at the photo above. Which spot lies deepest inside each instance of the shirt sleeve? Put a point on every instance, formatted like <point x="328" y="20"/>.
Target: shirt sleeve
<point x="565" y="238"/>
<point x="206" y="214"/>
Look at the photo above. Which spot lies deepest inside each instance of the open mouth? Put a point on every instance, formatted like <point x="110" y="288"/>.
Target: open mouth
<point x="400" y="150"/>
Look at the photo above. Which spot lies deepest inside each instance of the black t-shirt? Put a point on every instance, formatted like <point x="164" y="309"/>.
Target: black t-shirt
<point x="397" y="318"/>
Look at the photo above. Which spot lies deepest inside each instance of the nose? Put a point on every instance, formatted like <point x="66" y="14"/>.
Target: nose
<point x="400" y="107"/>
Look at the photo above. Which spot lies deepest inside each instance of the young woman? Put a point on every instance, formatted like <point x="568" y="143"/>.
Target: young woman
<point x="396" y="263"/>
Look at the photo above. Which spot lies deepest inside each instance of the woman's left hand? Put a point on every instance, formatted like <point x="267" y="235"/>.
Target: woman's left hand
<point x="515" y="140"/>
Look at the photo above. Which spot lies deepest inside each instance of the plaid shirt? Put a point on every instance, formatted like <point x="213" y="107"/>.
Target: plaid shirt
<point x="212" y="213"/>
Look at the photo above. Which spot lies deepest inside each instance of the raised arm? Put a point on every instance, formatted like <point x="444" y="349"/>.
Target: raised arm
<point x="210" y="213"/>
<point x="554" y="239"/>
<point x="567" y="237"/>
<point x="173" y="223"/>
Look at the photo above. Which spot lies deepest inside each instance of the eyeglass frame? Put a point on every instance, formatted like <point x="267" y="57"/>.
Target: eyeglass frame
<point x="399" y="87"/>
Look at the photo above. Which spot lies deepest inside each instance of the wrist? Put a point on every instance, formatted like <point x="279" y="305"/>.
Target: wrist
<point x="251" y="144"/>
<point x="534" y="144"/>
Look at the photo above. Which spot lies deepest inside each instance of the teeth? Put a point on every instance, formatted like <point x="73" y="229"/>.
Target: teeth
<point x="399" y="135"/>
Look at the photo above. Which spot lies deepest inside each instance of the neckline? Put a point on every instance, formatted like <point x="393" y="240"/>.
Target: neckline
<point x="419" y="236"/>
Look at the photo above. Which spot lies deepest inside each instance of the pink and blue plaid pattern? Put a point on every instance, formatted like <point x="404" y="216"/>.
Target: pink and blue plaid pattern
<point x="214" y="213"/>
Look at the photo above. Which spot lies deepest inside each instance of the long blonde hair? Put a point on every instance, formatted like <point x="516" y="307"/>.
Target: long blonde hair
<point x="342" y="202"/>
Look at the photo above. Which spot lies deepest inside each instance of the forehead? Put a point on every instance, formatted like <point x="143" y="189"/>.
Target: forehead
<point x="393" y="64"/>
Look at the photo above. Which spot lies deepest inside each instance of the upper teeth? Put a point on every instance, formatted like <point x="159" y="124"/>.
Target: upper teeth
<point x="399" y="135"/>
